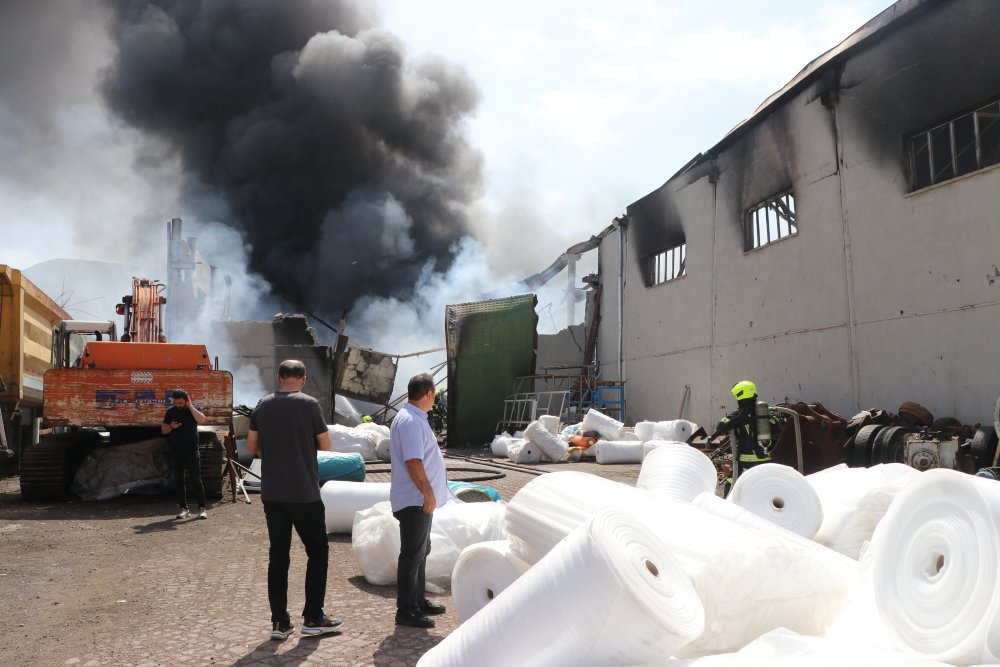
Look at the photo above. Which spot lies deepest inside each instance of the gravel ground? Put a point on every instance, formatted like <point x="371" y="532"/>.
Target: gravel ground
<point x="122" y="583"/>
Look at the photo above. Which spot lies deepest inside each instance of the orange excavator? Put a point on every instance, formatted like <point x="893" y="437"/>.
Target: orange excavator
<point x="105" y="391"/>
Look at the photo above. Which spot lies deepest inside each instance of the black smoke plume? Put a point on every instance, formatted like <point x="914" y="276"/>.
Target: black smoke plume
<point x="303" y="124"/>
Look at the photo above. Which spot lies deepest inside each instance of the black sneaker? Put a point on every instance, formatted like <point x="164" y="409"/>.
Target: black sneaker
<point x="322" y="626"/>
<point x="281" y="629"/>
<point x="414" y="619"/>
<point x="428" y="608"/>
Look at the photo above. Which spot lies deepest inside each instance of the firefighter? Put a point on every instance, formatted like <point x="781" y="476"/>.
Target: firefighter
<point x="438" y="415"/>
<point x="367" y="419"/>
<point x="743" y="422"/>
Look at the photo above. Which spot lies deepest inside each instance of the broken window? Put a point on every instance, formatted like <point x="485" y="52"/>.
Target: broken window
<point x="668" y="264"/>
<point x="771" y="221"/>
<point x="961" y="146"/>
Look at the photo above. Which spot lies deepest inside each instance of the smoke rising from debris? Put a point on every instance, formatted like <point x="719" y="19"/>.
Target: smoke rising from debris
<point x="343" y="164"/>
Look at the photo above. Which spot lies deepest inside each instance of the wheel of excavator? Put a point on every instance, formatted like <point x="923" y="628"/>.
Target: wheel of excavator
<point x="888" y="447"/>
<point x="47" y="468"/>
<point x="860" y="454"/>
<point x="984" y="446"/>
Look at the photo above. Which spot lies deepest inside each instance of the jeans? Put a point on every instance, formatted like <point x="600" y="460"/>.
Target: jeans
<point x="414" y="546"/>
<point x="309" y="521"/>
<point x="188" y="459"/>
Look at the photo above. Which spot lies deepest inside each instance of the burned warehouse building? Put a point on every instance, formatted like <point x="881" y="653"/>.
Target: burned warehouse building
<point x="840" y="245"/>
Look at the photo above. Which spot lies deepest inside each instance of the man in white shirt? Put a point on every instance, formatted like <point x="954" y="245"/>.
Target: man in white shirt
<point x="419" y="484"/>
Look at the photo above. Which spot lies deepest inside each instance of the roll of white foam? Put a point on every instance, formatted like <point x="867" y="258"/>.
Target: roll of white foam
<point x="783" y="648"/>
<point x="383" y="450"/>
<point x="619" y="451"/>
<point x="676" y="471"/>
<point x="342" y="499"/>
<point x="456" y="525"/>
<point x="523" y="451"/>
<point x="499" y="445"/>
<point x="628" y="435"/>
<point x="936" y="564"/>
<point x="347" y="440"/>
<point x="782" y="579"/>
<point x="608" y="427"/>
<point x="552" y="448"/>
<point x="610" y="594"/>
<point x="781" y="495"/>
<point x="854" y="500"/>
<point x="551" y="423"/>
<point x="679" y="430"/>
<point x="482" y="572"/>
<point x="645" y="430"/>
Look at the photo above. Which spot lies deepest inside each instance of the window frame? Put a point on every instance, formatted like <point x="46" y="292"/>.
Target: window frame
<point x="667" y="265"/>
<point x="926" y="175"/>
<point x="785" y="223"/>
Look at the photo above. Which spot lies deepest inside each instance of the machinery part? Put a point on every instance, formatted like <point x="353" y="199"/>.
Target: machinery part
<point x="984" y="446"/>
<point x="922" y="455"/>
<point x="914" y="414"/>
<point x="860" y="454"/>
<point x="763" y="424"/>
<point x="212" y="455"/>
<point x="47" y="468"/>
<point x="888" y="446"/>
<point x="945" y="424"/>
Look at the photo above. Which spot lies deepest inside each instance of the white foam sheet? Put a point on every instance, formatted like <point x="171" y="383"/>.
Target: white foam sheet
<point x="342" y="500"/>
<point x="523" y="451"/>
<point x="456" y="525"/>
<point x="854" y="500"/>
<point x="609" y="594"/>
<point x="550" y="422"/>
<point x="349" y="440"/>
<point x="676" y="471"/>
<point x="750" y="579"/>
<point x="383" y="450"/>
<point x="784" y="648"/>
<point x="482" y="572"/>
<point x="608" y="427"/>
<point x="935" y="568"/>
<point x="551" y="447"/>
<point x="619" y="451"/>
<point x="680" y="430"/>
<point x="381" y="429"/>
<point x="644" y="430"/>
<point x="781" y="495"/>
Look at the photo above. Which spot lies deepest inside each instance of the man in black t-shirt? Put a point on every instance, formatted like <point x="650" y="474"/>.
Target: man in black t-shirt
<point x="180" y="425"/>
<point x="286" y="429"/>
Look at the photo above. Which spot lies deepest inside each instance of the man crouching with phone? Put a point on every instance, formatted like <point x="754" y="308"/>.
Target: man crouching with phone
<point x="180" y="425"/>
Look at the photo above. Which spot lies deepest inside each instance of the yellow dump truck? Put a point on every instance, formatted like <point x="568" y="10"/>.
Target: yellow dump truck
<point x="27" y="319"/>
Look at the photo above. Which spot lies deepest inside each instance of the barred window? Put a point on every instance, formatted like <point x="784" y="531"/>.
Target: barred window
<point x="771" y="221"/>
<point x="668" y="264"/>
<point x="960" y="146"/>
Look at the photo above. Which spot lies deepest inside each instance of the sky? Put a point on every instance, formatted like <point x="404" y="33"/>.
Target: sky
<point x="589" y="105"/>
<point x="584" y="107"/>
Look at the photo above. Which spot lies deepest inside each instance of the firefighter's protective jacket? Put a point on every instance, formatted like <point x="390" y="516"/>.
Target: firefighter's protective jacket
<point x="743" y="421"/>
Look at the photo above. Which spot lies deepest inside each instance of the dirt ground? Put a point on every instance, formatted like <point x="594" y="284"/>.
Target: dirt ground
<point x="121" y="582"/>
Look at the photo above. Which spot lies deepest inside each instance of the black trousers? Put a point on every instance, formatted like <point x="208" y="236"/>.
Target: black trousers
<point x="309" y="521"/>
<point x="189" y="460"/>
<point x="414" y="546"/>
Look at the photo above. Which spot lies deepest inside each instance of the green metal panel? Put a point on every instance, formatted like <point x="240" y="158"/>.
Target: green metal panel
<point x="490" y="343"/>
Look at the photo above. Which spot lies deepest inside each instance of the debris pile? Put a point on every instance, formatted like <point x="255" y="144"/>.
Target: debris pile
<point x="598" y="436"/>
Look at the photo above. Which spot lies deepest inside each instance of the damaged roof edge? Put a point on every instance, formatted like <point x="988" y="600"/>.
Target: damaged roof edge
<point x="890" y="19"/>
